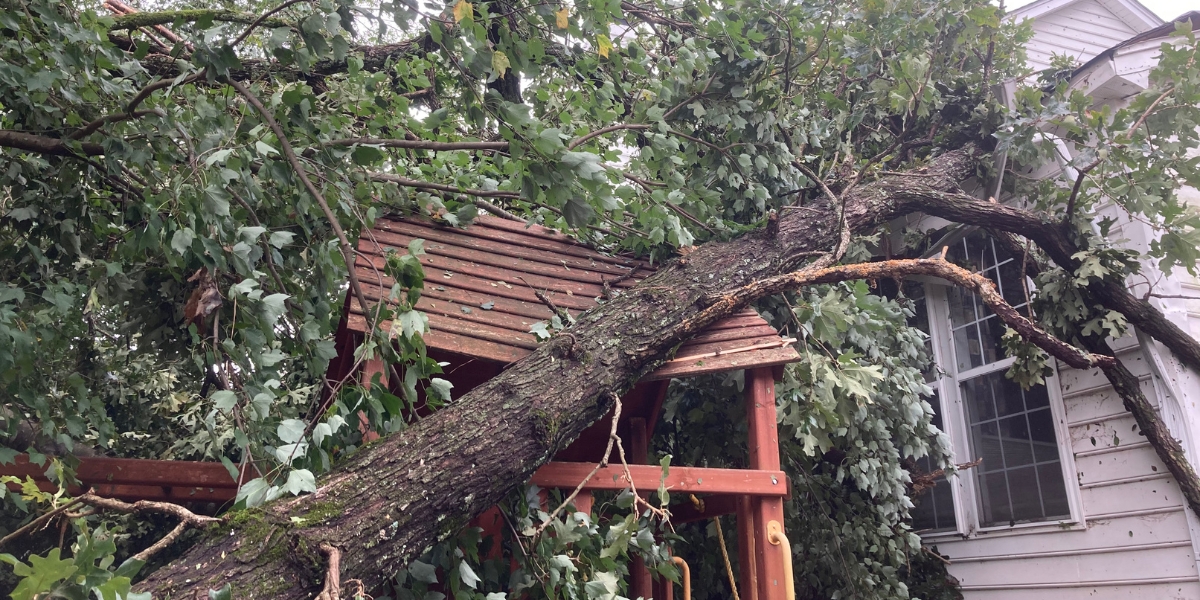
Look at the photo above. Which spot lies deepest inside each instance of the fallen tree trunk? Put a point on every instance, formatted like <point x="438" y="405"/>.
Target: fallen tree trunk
<point x="398" y="496"/>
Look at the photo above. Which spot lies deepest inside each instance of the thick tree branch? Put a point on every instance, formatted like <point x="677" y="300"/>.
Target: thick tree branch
<point x="168" y="17"/>
<point x="1054" y="238"/>
<point x="395" y="497"/>
<point x="41" y="144"/>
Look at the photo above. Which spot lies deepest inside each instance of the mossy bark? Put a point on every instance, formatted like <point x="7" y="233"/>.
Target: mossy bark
<point x="396" y="497"/>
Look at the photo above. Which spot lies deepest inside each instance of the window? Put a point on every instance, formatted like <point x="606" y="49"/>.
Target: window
<point x="1022" y="477"/>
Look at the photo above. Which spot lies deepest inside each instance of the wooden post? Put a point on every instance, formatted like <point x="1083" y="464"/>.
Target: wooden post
<point x="763" y="437"/>
<point x="583" y="502"/>
<point x="373" y="366"/>
<point x="639" y="449"/>
<point x="747" y="573"/>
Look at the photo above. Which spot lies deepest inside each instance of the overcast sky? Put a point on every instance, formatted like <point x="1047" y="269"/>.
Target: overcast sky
<point x="1167" y="9"/>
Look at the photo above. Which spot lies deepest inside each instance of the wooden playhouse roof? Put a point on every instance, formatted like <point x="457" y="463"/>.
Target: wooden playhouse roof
<point x="480" y="299"/>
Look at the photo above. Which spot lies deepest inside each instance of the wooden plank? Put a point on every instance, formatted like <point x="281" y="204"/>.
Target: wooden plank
<point x="133" y="471"/>
<point x="133" y="493"/>
<point x="502" y="256"/>
<point x="709" y="336"/>
<point x="747" y="569"/>
<point x="693" y="349"/>
<point x="436" y="267"/>
<point x="729" y="362"/>
<point x="763" y="439"/>
<point x="695" y="480"/>
<point x="714" y="506"/>
<point x="458" y="344"/>
<point x="435" y="278"/>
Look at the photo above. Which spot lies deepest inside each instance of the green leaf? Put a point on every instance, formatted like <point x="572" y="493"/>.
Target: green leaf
<point x="265" y="149"/>
<point x="367" y="155"/>
<point x="279" y="239"/>
<point x="468" y="575"/>
<point x="291" y="430"/>
<point x="423" y="572"/>
<point x="578" y="213"/>
<point x="216" y="200"/>
<point x="40" y="575"/>
<point x="440" y="388"/>
<point x="273" y="308"/>
<point x="300" y="481"/>
<point x="500" y="65"/>
<point x="224" y="400"/>
<point x="225" y="593"/>
<point x="181" y="242"/>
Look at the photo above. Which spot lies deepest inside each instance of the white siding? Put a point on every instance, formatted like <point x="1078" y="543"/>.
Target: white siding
<point x="1083" y="30"/>
<point x="1135" y="541"/>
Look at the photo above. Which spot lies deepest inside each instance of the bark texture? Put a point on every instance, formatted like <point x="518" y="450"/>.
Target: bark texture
<point x="396" y="497"/>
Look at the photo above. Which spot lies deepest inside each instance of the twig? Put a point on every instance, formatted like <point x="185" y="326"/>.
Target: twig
<point x="264" y="17"/>
<point x="416" y="144"/>
<point x="496" y="210"/>
<point x="109" y="119"/>
<point x="612" y="437"/>
<point x="441" y="187"/>
<point x="603" y="130"/>
<point x="167" y="540"/>
<point x="608" y="283"/>
<point x="333" y="576"/>
<point x="937" y="267"/>
<point x="347" y="250"/>
<point x="562" y="313"/>
<point x="158" y="85"/>
<point x="34" y="524"/>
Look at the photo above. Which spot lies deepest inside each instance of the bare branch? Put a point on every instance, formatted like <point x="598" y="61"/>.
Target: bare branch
<point x="441" y="187"/>
<point x="347" y="250"/>
<point x="417" y="144"/>
<point x="603" y="130"/>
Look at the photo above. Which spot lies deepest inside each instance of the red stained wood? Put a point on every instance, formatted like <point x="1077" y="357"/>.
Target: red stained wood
<point x="132" y="471"/>
<point x="499" y="264"/>
<point x="139" y="479"/>
<point x="764" y="454"/>
<point x="728" y="362"/>
<point x="697" y="480"/>
<point x="517" y="235"/>
<point x="449" y="243"/>
<point x="747" y="569"/>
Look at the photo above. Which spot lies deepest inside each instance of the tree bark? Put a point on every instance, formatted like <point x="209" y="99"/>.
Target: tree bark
<point x="393" y="499"/>
<point x="1054" y="237"/>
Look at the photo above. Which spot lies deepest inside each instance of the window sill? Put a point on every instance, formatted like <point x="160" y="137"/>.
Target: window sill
<point x="1005" y="531"/>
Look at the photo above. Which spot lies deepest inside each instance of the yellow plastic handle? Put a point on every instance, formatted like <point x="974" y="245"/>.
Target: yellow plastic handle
<point x="687" y="576"/>
<point x="776" y="536"/>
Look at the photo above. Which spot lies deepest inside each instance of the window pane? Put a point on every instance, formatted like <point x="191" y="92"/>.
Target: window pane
<point x="976" y="330"/>
<point x="1012" y="430"/>
<point x="1014" y="439"/>
<point x="934" y="509"/>
<point x="993" y="499"/>
<point x="1054" y="493"/>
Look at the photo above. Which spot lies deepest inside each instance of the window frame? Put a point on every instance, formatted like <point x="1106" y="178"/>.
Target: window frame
<point x="965" y="485"/>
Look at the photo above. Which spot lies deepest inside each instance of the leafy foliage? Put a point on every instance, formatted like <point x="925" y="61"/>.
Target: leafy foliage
<point x="175" y="246"/>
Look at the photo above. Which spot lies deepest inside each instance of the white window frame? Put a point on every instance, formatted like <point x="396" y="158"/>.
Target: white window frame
<point x="964" y="486"/>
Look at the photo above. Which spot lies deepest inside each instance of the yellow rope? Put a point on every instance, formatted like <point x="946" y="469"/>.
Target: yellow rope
<point x="725" y="555"/>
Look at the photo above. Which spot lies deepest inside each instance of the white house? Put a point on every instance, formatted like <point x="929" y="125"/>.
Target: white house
<point x="1069" y="502"/>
